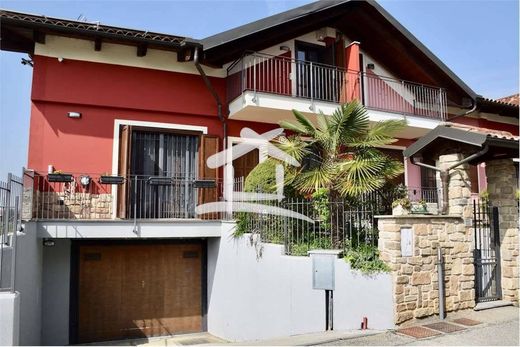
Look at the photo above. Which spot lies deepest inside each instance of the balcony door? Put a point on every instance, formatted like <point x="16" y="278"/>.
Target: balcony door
<point x="316" y="76"/>
<point x="306" y="56"/>
<point x="163" y="169"/>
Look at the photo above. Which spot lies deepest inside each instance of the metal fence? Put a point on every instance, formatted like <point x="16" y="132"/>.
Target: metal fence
<point x="398" y="96"/>
<point x="330" y="225"/>
<point x="486" y="252"/>
<point x="262" y="73"/>
<point x="94" y="196"/>
<point x="380" y="201"/>
<point x="155" y="197"/>
<point x="11" y="192"/>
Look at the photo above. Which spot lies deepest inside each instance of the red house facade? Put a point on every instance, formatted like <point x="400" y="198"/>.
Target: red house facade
<point x="123" y="121"/>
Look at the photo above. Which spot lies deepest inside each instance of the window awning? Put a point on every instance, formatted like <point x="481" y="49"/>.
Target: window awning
<point x="452" y="138"/>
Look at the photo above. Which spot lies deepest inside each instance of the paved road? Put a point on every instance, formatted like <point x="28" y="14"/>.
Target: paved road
<point x="499" y="328"/>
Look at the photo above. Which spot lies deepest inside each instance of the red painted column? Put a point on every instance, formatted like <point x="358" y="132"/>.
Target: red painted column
<point x="353" y="71"/>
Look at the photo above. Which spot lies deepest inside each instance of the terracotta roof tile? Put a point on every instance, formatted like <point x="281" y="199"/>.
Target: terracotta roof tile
<point x="511" y="99"/>
<point x="499" y="134"/>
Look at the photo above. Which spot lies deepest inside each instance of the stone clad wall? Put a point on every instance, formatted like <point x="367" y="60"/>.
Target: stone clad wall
<point x="60" y="205"/>
<point x="502" y="184"/>
<point x="415" y="277"/>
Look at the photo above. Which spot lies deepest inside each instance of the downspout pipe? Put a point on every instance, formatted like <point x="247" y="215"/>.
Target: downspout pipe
<point x="213" y="93"/>
<point x="473" y="109"/>
<point x="444" y="173"/>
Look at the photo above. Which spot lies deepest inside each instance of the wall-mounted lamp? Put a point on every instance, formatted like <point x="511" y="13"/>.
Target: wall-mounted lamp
<point x="74" y="114"/>
<point x="285" y="48"/>
<point x="370" y="66"/>
<point x="60" y="59"/>
<point x="84" y="180"/>
<point x="48" y="243"/>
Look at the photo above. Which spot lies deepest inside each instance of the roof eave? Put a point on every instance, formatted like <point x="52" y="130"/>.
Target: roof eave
<point x="88" y="31"/>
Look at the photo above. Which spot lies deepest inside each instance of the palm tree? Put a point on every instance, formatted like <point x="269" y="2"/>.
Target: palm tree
<point x="339" y="152"/>
<point x="339" y="155"/>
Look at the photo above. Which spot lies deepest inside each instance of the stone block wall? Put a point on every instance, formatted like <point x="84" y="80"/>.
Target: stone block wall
<point x="502" y="185"/>
<point x="459" y="186"/>
<point x="415" y="277"/>
<point x="63" y="205"/>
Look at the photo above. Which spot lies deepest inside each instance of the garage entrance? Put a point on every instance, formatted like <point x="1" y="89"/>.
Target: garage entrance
<point x="136" y="290"/>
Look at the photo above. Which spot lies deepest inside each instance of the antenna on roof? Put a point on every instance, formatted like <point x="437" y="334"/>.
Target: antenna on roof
<point x="82" y="18"/>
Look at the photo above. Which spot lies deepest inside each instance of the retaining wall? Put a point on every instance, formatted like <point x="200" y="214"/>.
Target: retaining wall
<point x="257" y="292"/>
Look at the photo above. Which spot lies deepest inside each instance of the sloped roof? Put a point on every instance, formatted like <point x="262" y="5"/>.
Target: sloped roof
<point x="511" y="99"/>
<point x="498" y="134"/>
<point x="502" y="144"/>
<point x="365" y="21"/>
<point x="20" y="30"/>
<point x="499" y="107"/>
<point x="268" y="22"/>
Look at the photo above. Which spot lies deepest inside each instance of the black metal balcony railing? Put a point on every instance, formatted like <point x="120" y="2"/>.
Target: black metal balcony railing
<point x="261" y="73"/>
<point x="71" y="196"/>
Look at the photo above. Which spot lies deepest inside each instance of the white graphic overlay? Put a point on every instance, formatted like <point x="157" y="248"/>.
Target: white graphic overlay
<point x="236" y="201"/>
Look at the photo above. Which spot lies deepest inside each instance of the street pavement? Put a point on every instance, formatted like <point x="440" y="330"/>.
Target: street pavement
<point x="499" y="327"/>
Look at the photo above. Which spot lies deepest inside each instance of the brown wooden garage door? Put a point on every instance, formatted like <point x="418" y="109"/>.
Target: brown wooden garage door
<point x="138" y="290"/>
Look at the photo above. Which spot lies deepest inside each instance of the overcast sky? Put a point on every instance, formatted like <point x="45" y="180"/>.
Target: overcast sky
<point x="478" y="40"/>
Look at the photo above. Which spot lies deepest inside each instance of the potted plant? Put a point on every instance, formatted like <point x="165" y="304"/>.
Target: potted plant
<point x="420" y="207"/>
<point x="58" y="176"/>
<point x="401" y="207"/>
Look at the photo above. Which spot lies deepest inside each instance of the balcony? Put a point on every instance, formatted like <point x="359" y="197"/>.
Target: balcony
<point x="137" y="197"/>
<point x="259" y="86"/>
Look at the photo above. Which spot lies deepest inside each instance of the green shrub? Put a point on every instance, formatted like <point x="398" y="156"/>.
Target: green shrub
<point x="321" y="205"/>
<point x="301" y="248"/>
<point x="365" y="258"/>
<point x="262" y="178"/>
<point x="484" y="196"/>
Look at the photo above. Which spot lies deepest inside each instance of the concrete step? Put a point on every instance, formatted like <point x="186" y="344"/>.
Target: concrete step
<point x="491" y="304"/>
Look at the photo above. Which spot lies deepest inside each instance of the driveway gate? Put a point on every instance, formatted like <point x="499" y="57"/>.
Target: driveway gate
<point x="487" y="252"/>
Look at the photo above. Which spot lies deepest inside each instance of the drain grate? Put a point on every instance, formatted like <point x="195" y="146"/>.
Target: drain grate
<point x="195" y="341"/>
<point x="466" y="321"/>
<point x="418" y="332"/>
<point x="444" y="327"/>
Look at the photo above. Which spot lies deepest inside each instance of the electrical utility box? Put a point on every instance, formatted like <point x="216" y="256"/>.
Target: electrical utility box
<point x="406" y="242"/>
<point x="323" y="268"/>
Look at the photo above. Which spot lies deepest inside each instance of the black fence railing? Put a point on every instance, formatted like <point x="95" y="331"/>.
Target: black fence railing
<point x="94" y="196"/>
<point x="486" y="252"/>
<point x="311" y="225"/>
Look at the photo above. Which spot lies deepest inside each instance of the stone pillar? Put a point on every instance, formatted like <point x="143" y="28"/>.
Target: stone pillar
<point x="502" y="184"/>
<point x="459" y="186"/>
<point x="414" y="273"/>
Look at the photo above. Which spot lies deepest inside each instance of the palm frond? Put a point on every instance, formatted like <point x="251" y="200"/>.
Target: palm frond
<point x="305" y="126"/>
<point x="309" y="180"/>
<point x="382" y="133"/>
<point x="349" y="121"/>
<point x="294" y="146"/>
